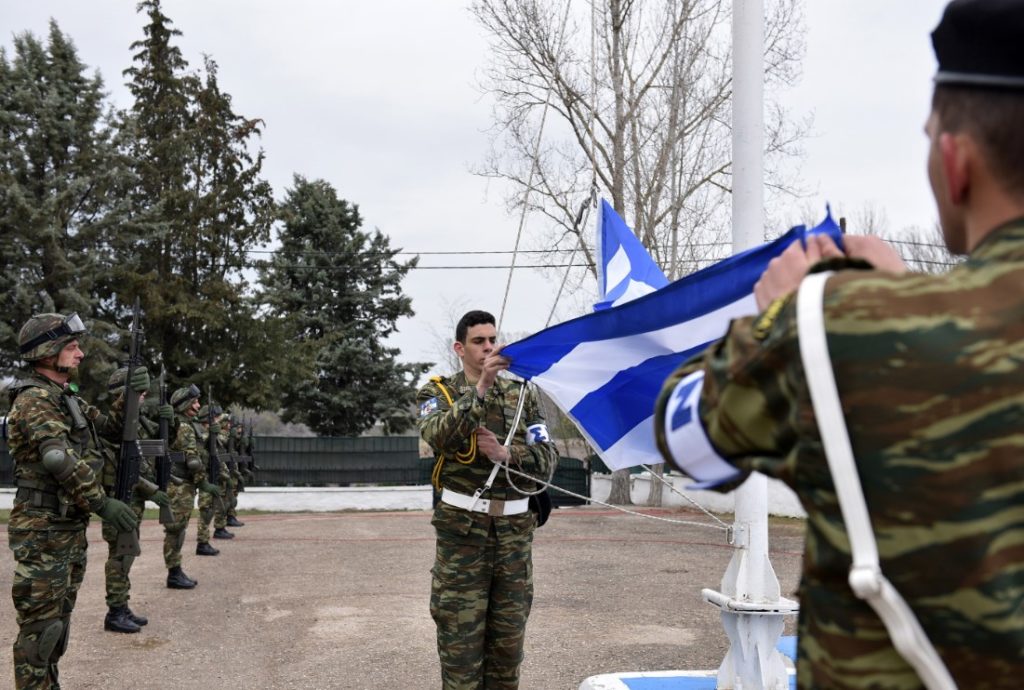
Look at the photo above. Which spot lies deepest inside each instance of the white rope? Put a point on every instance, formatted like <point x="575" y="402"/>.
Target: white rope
<point x="548" y="485"/>
<point x="679" y="493"/>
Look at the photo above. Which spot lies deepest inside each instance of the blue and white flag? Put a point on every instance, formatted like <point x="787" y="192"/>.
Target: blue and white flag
<point x="605" y="370"/>
<point x="625" y="270"/>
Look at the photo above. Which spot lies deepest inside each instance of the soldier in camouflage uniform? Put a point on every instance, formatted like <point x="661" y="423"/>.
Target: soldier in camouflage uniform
<point x="52" y="436"/>
<point x="931" y="380"/>
<point x="120" y="618"/>
<point x="208" y="502"/>
<point x="222" y="507"/>
<point x="482" y="587"/>
<point x="236" y="448"/>
<point x="188" y="465"/>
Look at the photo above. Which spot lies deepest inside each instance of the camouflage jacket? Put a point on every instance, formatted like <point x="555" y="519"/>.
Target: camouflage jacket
<point x="40" y="412"/>
<point x="449" y="429"/>
<point x="930" y="378"/>
<point x="188" y="441"/>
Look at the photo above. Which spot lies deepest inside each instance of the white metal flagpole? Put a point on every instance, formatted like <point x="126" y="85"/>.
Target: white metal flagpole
<point x="752" y="609"/>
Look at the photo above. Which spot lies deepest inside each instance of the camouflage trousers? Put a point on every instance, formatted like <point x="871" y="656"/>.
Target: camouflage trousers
<point x="233" y="504"/>
<point x="212" y="510"/>
<point x="50" y="568"/>
<point x="222" y="508"/>
<point x="481" y="595"/>
<point x="116" y="569"/>
<point x="183" y="500"/>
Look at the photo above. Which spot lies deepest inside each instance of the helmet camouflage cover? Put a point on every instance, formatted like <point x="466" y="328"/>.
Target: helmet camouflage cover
<point x="45" y="335"/>
<point x="183" y="397"/>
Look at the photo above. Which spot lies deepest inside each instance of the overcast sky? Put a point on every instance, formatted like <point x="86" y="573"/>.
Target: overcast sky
<point x="380" y="99"/>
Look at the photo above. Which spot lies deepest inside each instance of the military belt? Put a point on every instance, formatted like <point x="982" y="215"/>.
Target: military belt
<point x="483" y="505"/>
<point x="37" y="499"/>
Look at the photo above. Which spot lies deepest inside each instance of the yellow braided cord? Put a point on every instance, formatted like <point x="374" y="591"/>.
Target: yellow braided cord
<point x="465" y="458"/>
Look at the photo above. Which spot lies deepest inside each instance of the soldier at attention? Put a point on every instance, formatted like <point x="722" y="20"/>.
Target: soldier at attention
<point x="120" y="618"/>
<point x="188" y="466"/>
<point x="482" y="586"/>
<point x="52" y="439"/>
<point x="929" y="375"/>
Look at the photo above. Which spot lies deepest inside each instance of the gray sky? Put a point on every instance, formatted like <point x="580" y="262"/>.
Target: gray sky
<point x="380" y="99"/>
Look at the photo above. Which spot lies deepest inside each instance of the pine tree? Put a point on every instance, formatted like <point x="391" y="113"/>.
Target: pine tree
<point x="337" y="290"/>
<point x="200" y="205"/>
<point x="58" y="176"/>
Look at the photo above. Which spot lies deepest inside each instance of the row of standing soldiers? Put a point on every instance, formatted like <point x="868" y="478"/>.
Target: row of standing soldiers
<point x="69" y="455"/>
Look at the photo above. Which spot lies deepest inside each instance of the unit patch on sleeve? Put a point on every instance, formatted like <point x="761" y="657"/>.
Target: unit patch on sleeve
<point x="428" y="406"/>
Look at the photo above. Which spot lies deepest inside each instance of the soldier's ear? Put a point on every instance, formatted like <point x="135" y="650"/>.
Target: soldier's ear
<point x="460" y="349"/>
<point x="957" y="153"/>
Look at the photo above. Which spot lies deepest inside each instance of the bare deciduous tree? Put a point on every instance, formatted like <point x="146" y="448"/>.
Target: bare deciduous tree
<point x="632" y="97"/>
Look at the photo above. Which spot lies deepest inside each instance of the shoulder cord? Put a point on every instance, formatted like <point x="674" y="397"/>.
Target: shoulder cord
<point x="464" y="458"/>
<point x="866" y="578"/>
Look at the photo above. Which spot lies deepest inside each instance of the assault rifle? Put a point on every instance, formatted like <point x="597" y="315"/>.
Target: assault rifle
<point x="213" y="466"/>
<point x="252" y="451"/>
<point x="131" y="454"/>
<point x="163" y="461"/>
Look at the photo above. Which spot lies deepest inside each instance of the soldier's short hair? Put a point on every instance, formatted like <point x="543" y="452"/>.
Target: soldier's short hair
<point x="470" y="319"/>
<point x="992" y="117"/>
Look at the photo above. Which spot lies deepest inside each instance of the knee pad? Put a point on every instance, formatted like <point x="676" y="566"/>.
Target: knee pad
<point x="181" y="540"/>
<point x="124" y="564"/>
<point x="62" y="645"/>
<point x="49" y="634"/>
<point x="206" y="514"/>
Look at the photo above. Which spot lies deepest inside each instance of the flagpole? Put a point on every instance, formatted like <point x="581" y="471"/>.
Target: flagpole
<point x="751" y="607"/>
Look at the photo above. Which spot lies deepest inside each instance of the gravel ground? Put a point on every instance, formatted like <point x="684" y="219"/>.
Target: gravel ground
<point x="339" y="600"/>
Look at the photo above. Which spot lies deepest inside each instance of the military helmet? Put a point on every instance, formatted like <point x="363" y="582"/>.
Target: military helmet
<point x="183" y="397"/>
<point x="45" y="335"/>
<point x="116" y="380"/>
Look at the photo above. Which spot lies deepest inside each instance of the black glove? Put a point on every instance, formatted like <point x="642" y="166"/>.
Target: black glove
<point x="139" y="381"/>
<point x="118" y="514"/>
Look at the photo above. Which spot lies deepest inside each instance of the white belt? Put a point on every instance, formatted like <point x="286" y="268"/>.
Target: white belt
<point x="483" y="505"/>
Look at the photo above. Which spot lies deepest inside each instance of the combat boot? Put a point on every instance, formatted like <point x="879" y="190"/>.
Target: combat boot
<point x="117" y="620"/>
<point x="221" y="533"/>
<point x="136" y="618"/>
<point x="235" y="522"/>
<point x="177" y="579"/>
<point x="203" y="548"/>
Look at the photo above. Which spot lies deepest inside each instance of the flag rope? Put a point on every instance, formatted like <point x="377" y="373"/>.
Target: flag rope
<point x="548" y="485"/>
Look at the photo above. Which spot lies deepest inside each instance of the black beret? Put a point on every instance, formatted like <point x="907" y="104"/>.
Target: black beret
<point x="981" y="43"/>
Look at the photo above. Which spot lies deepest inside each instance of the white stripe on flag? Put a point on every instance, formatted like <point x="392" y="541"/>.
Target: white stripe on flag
<point x="636" y="289"/>
<point x="590" y="365"/>
<point x="617" y="270"/>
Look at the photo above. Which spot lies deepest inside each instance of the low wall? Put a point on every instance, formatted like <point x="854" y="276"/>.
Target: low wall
<point x="782" y="501"/>
<point x="317" y="499"/>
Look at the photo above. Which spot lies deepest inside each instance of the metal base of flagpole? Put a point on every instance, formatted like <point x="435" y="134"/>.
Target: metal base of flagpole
<point x="753" y="628"/>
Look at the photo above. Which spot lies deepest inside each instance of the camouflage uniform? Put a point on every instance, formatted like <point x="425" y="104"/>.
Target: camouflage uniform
<point x="930" y="378"/>
<point x="183" y="496"/>
<point x="211" y="508"/>
<point x="117" y="568"/>
<point x="220" y="508"/>
<point x="47" y="524"/>
<point x="235" y="444"/>
<point x="482" y="587"/>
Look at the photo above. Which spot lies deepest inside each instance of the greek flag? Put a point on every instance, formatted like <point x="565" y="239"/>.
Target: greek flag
<point x="605" y="370"/>
<point x="625" y="270"/>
